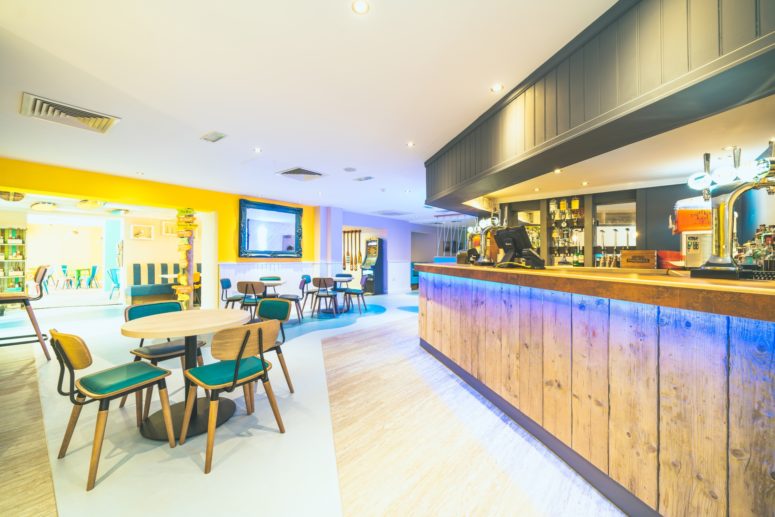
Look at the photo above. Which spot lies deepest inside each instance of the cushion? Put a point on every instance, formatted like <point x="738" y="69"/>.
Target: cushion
<point x="353" y="291"/>
<point x="121" y="377"/>
<point x="151" y="309"/>
<point x="235" y="297"/>
<point x="164" y="349"/>
<point x="270" y="278"/>
<point x="252" y="300"/>
<point x="149" y="290"/>
<point x="274" y="310"/>
<point x="292" y="297"/>
<point x="222" y="372"/>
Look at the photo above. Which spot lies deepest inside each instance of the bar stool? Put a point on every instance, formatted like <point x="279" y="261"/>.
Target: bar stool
<point x="25" y="299"/>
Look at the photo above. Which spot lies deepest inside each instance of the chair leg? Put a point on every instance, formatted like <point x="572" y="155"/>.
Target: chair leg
<point x="165" y="410"/>
<point x="211" y="421"/>
<point x="148" y="396"/>
<point x="363" y="298"/>
<point x="246" y="390"/>
<point x="358" y="299"/>
<point x="139" y="407"/>
<point x="34" y="322"/>
<point x="123" y="399"/>
<point x="99" y="434"/>
<point x="70" y="427"/>
<point x="190" y="401"/>
<point x="273" y="404"/>
<point x="298" y="310"/>
<point x="281" y="357"/>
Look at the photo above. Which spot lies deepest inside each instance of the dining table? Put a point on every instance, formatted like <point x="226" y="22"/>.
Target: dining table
<point x="273" y="284"/>
<point x="189" y="324"/>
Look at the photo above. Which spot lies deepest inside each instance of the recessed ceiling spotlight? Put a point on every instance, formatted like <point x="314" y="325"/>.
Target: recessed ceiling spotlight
<point x="558" y="171"/>
<point x="11" y="196"/>
<point x="140" y="173"/>
<point x="257" y="150"/>
<point x="408" y="191"/>
<point x="536" y="189"/>
<point x="410" y="144"/>
<point x="119" y="211"/>
<point x="364" y="178"/>
<point x="584" y="183"/>
<point x="350" y="169"/>
<point x="496" y="87"/>
<point x="90" y="204"/>
<point x="43" y="206"/>
<point x="361" y="7"/>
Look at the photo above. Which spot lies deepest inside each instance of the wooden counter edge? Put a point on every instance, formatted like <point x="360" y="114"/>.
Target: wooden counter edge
<point x="742" y="299"/>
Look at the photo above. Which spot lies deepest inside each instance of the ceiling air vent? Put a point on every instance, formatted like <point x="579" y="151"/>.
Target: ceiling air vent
<point x="392" y="213"/>
<point x="53" y="111"/>
<point x="300" y="174"/>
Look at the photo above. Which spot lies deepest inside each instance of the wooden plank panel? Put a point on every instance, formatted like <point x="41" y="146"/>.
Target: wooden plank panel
<point x="738" y="23"/>
<point x="550" y="104"/>
<point x="436" y="312"/>
<point x="675" y="45"/>
<point x="592" y="79"/>
<point x="703" y="32"/>
<point x="478" y="299"/>
<point x="589" y="379"/>
<point x="540" y="111"/>
<point x="576" y="71"/>
<point x="609" y="75"/>
<point x="627" y="55"/>
<point x="751" y="417"/>
<point x="692" y="413"/>
<point x="563" y="97"/>
<point x="632" y="373"/>
<point x="557" y="364"/>
<point x="445" y="313"/>
<point x="493" y="333"/>
<point x="531" y="353"/>
<point x="466" y="324"/>
<point x="529" y="118"/>
<point x="456" y="315"/>
<point x="510" y="345"/>
<point x="649" y="45"/>
<point x="422" y="307"/>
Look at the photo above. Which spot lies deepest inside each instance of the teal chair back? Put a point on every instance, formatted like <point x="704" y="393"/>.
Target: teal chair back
<point x="274" y="309"/>
<point x="150" y="309"/>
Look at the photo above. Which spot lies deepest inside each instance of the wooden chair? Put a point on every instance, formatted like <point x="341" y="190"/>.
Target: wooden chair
<point x="279" y="310"/>
<point x="240" y="351"/>
<point x="156" y="352"/>
<point x="358" y="293"/>
<point x="103" y="386"/>
<point x="25" y="299"/>
<point x="309" y="291"/>
<point x="253" y="292"/>
<point x="324" y="292"/>
<point x="296" y="299"/>
<point x="229" y="298"/>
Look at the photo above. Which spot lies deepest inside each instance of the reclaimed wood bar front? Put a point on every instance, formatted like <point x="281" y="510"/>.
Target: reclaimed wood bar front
<point x="663" y="384"/>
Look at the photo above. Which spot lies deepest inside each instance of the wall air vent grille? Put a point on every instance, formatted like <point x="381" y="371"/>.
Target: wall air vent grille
<point x="300" y="174"/>
<point x="392" y="213"/>
<point x="39" y="107"/>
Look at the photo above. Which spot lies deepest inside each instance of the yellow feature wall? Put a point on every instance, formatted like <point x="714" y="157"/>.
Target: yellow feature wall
<point x="38" y="178"/>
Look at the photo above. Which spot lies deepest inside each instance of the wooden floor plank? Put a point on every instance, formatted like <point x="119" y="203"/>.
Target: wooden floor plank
<point x="26" y="484"/>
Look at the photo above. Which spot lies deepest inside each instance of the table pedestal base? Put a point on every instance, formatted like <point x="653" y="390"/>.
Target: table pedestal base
<point x="153" y="428"/>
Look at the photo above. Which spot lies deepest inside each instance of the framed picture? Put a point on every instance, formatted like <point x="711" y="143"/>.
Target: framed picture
<point x="169" y="228"/>
<point x="142" y="232"/>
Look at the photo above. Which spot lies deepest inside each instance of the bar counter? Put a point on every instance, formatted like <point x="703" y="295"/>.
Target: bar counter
<point x="658" y="389"/>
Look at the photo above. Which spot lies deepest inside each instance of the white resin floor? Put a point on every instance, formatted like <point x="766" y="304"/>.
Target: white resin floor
<point x="256" y="470"/>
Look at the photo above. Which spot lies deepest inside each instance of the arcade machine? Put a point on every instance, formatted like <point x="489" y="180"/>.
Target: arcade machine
<point x="374" y="267"/>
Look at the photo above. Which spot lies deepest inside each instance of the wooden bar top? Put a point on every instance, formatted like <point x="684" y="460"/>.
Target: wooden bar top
<point x="752" y="299"/>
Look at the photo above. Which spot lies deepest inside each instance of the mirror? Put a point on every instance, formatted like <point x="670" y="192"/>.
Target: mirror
<point x="268" y="230"/>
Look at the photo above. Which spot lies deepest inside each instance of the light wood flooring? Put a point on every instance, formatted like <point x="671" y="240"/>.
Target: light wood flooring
<point x="25" y="477"/>
<point x="413" y="439"/>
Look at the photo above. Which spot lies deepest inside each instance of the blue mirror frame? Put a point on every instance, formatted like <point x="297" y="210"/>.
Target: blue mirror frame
<point x="245" y="252"/>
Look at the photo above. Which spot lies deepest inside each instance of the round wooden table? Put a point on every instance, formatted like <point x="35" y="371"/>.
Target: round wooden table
<point x="188" y="324"/>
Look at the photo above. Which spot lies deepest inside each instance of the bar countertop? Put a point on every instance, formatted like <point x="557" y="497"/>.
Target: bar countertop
<point x="752" y="299"/>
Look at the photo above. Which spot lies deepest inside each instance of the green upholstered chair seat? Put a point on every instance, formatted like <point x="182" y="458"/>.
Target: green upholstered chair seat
<point x="235" y="297"/>
<point x="222" y="372"/>
<point x="325" y="294"/>
<point x="292" y="297"/>
<point x="164" y="349"/>
<point x="252" y="300"/>
<point x="119" y="378"/>
<point x="270" y="279"/>
<point x="353" y="291"/>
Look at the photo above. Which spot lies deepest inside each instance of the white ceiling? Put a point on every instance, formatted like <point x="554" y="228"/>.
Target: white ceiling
<point x="67" y="209"/>
<point x="308" y="81"/>
<point x="666" y="159"/>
